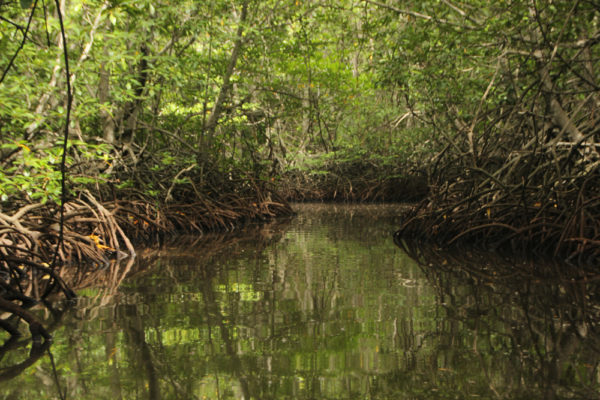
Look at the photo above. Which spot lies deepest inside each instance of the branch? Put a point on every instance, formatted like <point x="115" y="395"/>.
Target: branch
<point x="13" y="221"/>
<point x="479" y="107"/>
<point x="35" y="327"/>
<point x="415" y="14"/>
<point x="88" y="47"/>
<point x="168" y="197"/>
<point x="19" y="27"/>
<point x="12" y="60"/>
<point x="461" y="12"/>
<point x="172" y="134"/>
<point x="63" y="162"/>
<point x="43" y="102"/>
<point x="226" y="87"/>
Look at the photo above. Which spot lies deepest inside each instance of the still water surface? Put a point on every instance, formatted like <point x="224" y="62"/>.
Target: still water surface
<point x="323" y="306"/>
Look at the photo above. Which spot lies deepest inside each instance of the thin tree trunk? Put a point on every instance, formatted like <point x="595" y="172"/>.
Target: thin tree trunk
<point x="107" y="121"/>
<point x="226" y="87"/>
<point x="54" y="79"/>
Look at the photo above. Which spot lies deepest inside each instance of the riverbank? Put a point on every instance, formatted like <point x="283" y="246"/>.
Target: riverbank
<point x="352" y="175"/>
<point x="44" y="248"/>
<point x="528" y="209"/>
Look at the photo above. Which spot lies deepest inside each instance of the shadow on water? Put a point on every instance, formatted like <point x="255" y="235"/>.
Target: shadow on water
<point x="323" y="306"/>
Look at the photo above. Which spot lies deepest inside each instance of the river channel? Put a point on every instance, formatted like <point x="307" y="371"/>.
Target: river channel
<point x="321" y="306"/>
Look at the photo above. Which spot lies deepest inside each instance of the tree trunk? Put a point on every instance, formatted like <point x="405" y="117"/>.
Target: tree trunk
<point x="107" y="121"/>
<point x="211" y="125"/>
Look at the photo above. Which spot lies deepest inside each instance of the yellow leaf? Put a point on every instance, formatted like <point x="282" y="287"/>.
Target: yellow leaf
<point x="103" y="247"/>
<point x="95" y="238"/>
<point x="537" y="204"/>
<point x="112" y="353"/>
<point x="46" y="276"/>
<point x="488" y="212"/>
<point x="24" y="147"/>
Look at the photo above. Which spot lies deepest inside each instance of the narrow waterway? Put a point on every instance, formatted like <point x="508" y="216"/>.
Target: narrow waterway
<point x="323" y="306"/>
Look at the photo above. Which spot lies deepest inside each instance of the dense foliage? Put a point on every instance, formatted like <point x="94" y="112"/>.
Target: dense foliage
<point x="163" y="87"/>
<point x="518" y="163"/>
<point x="168" y="92"/>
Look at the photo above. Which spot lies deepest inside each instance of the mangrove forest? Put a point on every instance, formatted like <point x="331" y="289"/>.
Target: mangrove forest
<point x="168" y="148"/>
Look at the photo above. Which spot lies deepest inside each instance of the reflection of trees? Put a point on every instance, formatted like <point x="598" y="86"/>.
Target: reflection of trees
<point x="247" y="346"/>
<point x="12" y="351"/>
<point x="38" y="349"/>
<point x="530" y="338"/>
<point x="286" y="314"/>
<point x="141" y="359"/>
<point x="106" y="280"/>
<point x="114" y="376"/>
<point x="187" y="274"/>
<point x="215" y="319"/>
<point x="134" y="330"/>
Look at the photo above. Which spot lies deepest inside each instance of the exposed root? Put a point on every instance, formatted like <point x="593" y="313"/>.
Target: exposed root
<point x="355" y="181"/>
<point x="95" y="234"/>
<point x="523" y="172"/>
<point x="517" y="211"/>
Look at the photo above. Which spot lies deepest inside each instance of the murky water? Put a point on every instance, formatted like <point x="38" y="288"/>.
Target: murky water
<point x="320" y="307"/>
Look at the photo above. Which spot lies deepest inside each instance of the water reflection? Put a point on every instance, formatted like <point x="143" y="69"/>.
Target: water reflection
<point x="541" y="333"/>
<point x="320" y="307"/>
